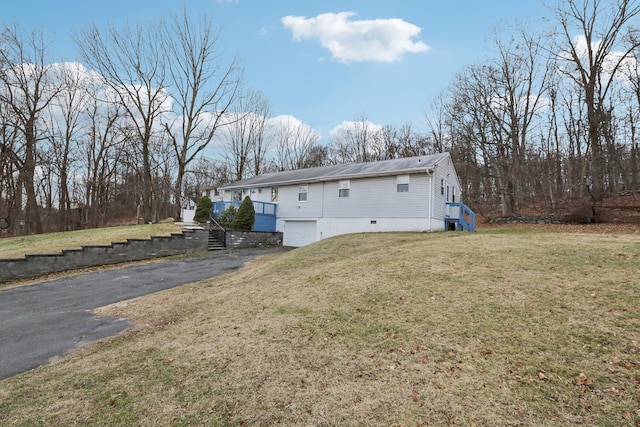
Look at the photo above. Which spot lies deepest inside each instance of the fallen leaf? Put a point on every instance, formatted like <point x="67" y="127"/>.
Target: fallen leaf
<point x="582" y="379"/>
<point x="486" y="351"/>
<point x="542" y="376"/>
<point x="416" y="398"/>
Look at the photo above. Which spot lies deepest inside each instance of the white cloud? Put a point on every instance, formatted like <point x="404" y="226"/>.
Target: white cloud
<point x="286" y="120"/>
<point x="355" y="127"/>
<point x="348" y="40"/>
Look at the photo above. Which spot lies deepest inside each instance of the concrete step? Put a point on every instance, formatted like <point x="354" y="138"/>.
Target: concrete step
<point x="213" y="244"/>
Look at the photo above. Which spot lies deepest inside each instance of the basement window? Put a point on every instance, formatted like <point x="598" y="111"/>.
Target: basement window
<point x="344" y="188"/>
<point x="402" y="185"/>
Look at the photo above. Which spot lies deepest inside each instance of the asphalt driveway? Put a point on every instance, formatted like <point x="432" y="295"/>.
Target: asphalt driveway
<point x="46" y="319"/>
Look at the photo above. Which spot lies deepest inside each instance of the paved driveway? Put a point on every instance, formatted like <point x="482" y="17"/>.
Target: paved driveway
<point x="46" y="319"/>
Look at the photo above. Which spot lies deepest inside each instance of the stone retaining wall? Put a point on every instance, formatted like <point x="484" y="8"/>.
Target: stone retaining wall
<point x="253" y="239"/>
<point x="525" y="219"/>
<point x="90" y="256"/>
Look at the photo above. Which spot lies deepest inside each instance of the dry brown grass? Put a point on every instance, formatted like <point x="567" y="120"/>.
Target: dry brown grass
<point x="51" y="243"/>
<point x="504" y="327"/>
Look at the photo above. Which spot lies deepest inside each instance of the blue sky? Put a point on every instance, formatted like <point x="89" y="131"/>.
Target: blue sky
<point x="308" y="57"/>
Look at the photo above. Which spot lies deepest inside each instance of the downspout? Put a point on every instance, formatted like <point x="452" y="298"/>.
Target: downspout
<point x="430" y="172"/>
<point x="321" y="219"/>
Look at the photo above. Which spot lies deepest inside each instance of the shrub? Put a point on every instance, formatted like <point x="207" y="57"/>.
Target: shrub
<point x="203" y="209"/>
<point x="227" y="216"/>
<point x="246" y="216"/>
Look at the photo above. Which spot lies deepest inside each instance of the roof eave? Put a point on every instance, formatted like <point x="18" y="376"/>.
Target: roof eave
<point x="428" y="170"/>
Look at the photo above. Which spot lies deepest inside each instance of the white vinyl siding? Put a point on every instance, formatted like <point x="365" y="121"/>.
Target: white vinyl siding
<point x="290" y="207"/>
<point x="448" y="184"/>
<point x="378" y="197"/>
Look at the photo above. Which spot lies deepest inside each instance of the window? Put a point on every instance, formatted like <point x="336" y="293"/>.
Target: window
<point x="453" y="194"/>
<point x="302" y="192"/>
<point x="442" y="187"/>
<point x="344" y="188"/>
<point x="403" y="184"/>
<point x="447" y="193"/>
<point x="274" y="194"/>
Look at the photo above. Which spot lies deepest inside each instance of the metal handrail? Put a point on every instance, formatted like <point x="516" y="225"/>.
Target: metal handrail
<point x="212" y="220"/>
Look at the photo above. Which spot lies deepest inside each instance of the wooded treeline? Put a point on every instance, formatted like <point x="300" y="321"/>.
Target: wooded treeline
<point x="153" y="114"/>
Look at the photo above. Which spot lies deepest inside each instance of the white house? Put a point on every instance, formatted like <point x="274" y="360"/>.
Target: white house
<point x="409" y="194"/>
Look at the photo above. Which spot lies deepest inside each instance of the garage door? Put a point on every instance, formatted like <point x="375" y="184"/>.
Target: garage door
<point x="299" y="233"/>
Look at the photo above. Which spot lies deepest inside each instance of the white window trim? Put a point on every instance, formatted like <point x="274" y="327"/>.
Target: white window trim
<point x="402" y="180"/>
<point x="344" y="185"/>
<point x="303" y="189"/>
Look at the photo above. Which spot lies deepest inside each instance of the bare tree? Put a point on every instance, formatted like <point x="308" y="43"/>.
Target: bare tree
<point x="66" y="121"/>
<point x="518" y="83"/>
<point x="633" y="76"/>
<point x="133" y="64"/>
<point x="474" y="134"/>
<point x="493" y="110"/>
<point x="203" y="88"/>
<point x="588" y="59"/>
<point x="404" y="141"/>
<point x="102" y="151"/>
<point x="205" y="174"/>
<point x="28" y="86"/>
<point x="244" y="137"/>
<point x="9" y="162"/>
<point x="296" y="143"/>
<point x="354" y="141"/>
<point x="258" y="114"/>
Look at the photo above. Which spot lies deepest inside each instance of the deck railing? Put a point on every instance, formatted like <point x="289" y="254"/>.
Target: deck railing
<point x="265" y="214"/>
<point x="460" y="217"/>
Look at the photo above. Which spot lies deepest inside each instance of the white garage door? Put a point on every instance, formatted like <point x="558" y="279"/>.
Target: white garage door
<point x="299" y="233"/>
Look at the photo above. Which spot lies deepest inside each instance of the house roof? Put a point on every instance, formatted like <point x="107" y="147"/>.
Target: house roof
<point x="344" y="171"/>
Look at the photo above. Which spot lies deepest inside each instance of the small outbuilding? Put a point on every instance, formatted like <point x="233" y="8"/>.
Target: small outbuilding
<point x="409" y="194"/>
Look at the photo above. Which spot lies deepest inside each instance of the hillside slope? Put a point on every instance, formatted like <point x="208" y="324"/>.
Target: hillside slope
<point x="504" y="327"/>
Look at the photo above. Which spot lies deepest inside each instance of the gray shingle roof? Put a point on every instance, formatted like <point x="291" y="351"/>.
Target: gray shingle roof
<point x="344" y="171"/>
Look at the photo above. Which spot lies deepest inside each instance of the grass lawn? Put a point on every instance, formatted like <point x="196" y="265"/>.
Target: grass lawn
<point x="51" y="243"/>
<point x="505" y="327"/>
